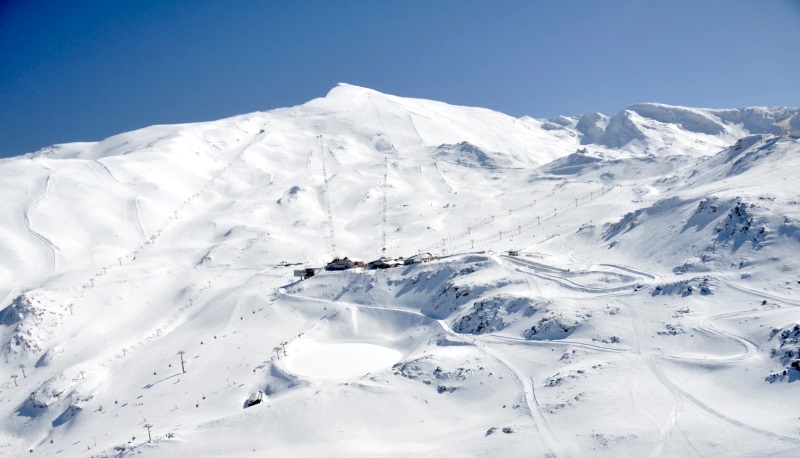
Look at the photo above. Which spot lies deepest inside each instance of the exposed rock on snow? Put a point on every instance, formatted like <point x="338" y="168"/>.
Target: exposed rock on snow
<point x="553" y="325"/>
<point x="787" y="351"/>
<point x="469" y="155"/>
<point x="487" y="315"/>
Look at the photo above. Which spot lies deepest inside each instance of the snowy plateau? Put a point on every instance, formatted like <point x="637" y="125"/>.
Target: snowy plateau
<point x="597" y="285"/>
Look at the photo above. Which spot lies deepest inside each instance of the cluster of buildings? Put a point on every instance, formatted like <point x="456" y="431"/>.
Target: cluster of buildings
<point x="381" y="263"/>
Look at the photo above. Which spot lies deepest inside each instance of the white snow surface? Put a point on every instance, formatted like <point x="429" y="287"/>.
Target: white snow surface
<point x="336" y="360"/>
<point x="650" y="307"/>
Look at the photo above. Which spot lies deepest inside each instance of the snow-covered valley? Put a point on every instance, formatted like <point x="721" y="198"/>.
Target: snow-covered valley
<point x="597" y="286"/>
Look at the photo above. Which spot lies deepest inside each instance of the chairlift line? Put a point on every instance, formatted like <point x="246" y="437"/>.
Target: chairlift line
<point x="326" y="197"/>
<point x="385" y="202"/>
<point x="472" y="243"/>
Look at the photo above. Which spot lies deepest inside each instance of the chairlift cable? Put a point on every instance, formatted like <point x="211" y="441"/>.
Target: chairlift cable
<point x="326" y="197"/>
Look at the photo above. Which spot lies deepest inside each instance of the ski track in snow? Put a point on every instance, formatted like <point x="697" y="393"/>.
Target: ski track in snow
<point x="441" y="178"/>
<point x="111" y="175"/>
<point x="631" y="270"/>
<point x="760" y="294"/>
<point x="410" y="119"/>
<point x="139" y="218"/>
<point x="26" y="217"/>
<point x="707" y="325"/>
<point x="556" y="343"/>
<point x="542" y="424"/>
<point x="732" y="421"/>
<point x="566" y="283"/>
<point x="678" y="392"/>
<point x="665" y="431"/>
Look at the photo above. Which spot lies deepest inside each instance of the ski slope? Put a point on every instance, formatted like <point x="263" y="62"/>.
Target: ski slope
<point x="650" y="308"/>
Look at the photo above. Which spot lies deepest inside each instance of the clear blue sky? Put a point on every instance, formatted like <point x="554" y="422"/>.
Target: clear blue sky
<point x="84" y="70"/>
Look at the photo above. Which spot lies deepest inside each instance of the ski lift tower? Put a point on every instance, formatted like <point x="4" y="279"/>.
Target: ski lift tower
<point x="785" y="125"/>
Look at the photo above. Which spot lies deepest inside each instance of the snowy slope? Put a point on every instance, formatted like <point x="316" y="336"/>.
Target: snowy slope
<point x="651" y="309"/>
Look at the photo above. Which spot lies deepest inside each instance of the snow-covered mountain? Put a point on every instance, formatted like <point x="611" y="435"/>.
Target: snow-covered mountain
<point x="648" y="306"/>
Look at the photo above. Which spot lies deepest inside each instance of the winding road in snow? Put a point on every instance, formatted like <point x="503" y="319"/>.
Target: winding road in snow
<point x="559" y="277"/>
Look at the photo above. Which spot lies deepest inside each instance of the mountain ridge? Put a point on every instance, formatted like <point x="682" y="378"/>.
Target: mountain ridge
<point x="624" y="130"/>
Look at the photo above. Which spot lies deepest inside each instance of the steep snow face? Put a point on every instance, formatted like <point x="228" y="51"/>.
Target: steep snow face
<point x="687" y="119"/>
<point x="591" y="286"/>
<point x="592" y="126"/>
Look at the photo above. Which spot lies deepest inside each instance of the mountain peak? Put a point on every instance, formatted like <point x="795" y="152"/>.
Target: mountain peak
<point x="346" y="90"/>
